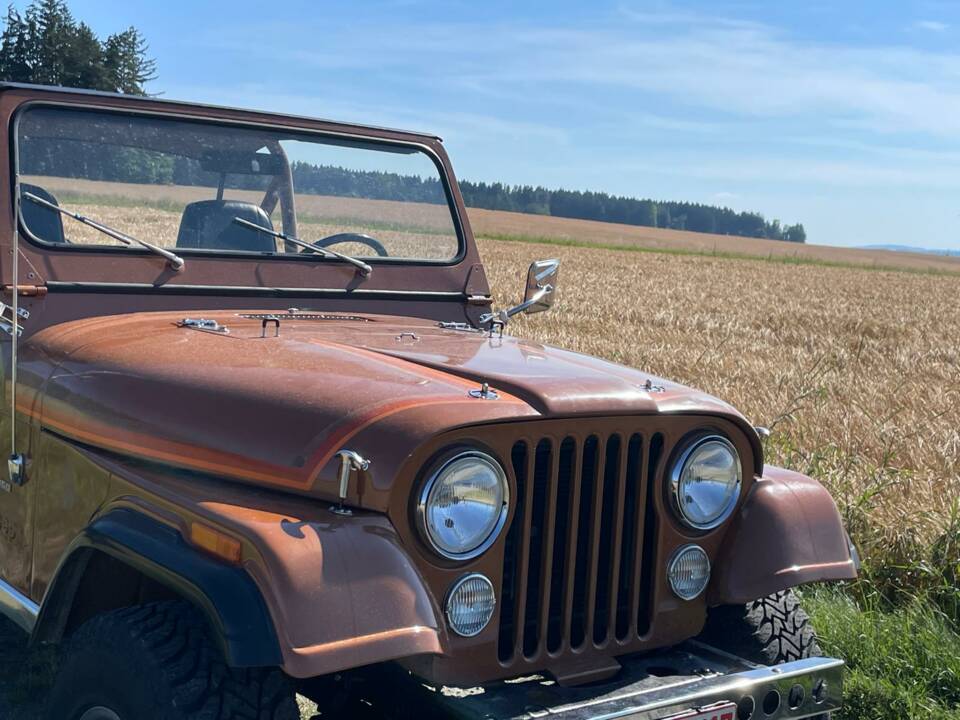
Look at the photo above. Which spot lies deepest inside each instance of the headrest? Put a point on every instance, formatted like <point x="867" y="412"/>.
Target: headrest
<point x="209" y="225"/>
<point x="43" y="222"/>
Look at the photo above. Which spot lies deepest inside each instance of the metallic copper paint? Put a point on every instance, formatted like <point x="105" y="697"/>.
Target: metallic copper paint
<point x="787" y="533"/>
<point x="239" y="431"/>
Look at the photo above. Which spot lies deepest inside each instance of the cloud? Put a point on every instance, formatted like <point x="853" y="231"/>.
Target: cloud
<point x="729" y="68"/>
<point x="931" y="26"/>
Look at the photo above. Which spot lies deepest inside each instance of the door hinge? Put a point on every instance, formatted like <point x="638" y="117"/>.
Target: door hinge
<point x="26" y="290"/>
<point x="8" y="323"/>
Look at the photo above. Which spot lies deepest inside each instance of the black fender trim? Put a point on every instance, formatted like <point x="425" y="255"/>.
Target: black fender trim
<point x="226" y="594"/>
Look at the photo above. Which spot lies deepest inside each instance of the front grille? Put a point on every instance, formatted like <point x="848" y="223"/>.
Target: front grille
<point x="579" y="555"/>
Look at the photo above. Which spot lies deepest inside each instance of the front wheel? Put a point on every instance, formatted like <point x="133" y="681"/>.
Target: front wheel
<point x="768" y="631"/>
<point x="157" y="662"/>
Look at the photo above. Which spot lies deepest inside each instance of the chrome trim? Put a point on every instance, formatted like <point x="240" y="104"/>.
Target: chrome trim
<point x="425" y="496"/>
<point x="18" y="607"/>
<point x="350" y="462"/>
<point x="702" y="677"/>
<point x="675" y="558"/>
<point x="677" y="471"/>
<point x="704" y="692"/>
<point x="454" y="588"/>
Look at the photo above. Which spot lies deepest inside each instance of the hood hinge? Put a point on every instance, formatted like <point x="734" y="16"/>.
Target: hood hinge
<point x="26" y="290"/>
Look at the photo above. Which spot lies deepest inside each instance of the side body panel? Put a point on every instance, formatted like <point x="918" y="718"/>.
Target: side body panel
<point x="17" y="503"/>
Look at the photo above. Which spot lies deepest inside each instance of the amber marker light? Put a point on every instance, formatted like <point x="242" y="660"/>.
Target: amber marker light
<point x="215" y="542"/>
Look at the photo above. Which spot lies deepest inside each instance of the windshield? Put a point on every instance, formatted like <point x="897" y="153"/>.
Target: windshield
<point x="197" y="187"/>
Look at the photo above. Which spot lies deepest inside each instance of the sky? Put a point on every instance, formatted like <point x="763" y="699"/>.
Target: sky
<point x="844" y="116"/>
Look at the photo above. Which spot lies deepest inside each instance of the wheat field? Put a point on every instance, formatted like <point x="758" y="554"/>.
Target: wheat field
<point x="855" y="369"/>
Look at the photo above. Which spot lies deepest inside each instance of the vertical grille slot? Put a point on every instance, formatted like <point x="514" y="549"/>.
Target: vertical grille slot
<point x="608" y="521"/>
<point x="511" y="557"/>
<point x="649" y="553"/>
<point x="634" y="494"/>
<point x="588" y="482"/>
<point x="559" y="576"/>
<point x="538" y="539"/>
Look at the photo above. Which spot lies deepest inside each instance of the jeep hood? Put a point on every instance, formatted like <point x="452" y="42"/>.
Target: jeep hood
<point x="271" y="401"/>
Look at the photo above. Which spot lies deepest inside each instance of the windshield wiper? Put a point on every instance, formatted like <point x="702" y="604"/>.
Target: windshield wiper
<point x="176" y="262"/>
<point x="362" y="267"/>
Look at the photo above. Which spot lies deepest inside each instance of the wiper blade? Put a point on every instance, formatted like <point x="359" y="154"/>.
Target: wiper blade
<point x="176" y="262"/>
<point x="362" y="267"/>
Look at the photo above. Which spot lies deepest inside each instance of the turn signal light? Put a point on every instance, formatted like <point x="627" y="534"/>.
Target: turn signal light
<point x="215" y="542"/>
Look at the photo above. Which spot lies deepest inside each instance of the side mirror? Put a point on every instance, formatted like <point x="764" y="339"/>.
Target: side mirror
<point x="542" y="280"/>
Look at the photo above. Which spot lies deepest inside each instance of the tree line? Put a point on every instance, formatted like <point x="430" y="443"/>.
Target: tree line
<point x="587" y="205"/>
<point x="47" y="45"/>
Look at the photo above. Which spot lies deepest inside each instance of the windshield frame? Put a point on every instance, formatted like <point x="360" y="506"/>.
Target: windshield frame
<point x="308" y="134"/>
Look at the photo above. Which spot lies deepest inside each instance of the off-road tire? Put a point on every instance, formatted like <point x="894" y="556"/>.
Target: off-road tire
<point x="768" y="631"/>
<point x="157" y="662"/>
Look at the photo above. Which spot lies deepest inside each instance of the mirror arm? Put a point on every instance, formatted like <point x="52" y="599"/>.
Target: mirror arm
<point x="504" y="315"/>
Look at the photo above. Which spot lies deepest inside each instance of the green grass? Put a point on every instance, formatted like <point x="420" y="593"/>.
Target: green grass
<point x="715" y="253"/>
<point x="903" y="662"/>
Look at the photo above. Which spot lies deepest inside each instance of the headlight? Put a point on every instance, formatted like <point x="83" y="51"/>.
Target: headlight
<point x="470" y="605"/>
<point x="705" y="482"/>
<point x="689" y="572"/>
<point x="464" y="504"/>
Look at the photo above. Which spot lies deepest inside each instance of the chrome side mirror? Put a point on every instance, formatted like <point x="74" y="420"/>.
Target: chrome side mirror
<point x="542" y="280"/>
<point x="541" y="287"/>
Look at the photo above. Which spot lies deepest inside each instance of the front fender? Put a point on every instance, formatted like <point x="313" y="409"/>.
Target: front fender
<point x="341" y="589"/>
<point x="788" y="533"/>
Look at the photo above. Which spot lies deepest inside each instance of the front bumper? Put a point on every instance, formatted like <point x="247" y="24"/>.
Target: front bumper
<point x="691" y="678"/>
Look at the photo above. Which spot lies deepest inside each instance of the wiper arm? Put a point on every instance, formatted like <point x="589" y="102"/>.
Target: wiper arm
<point x="362" y="267"/>
<point x="176" y="262"/>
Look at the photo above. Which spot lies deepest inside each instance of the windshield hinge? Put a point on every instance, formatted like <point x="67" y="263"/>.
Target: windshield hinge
<point x="484" y="300"/>
<point x="26" y="290"/>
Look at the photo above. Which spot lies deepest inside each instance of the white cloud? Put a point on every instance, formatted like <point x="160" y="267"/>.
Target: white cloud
<point x="735" y="69"/>
<point x="931" y="26"/>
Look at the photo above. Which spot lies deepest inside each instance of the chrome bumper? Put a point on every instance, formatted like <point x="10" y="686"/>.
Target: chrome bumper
<point x="693" y="677"/>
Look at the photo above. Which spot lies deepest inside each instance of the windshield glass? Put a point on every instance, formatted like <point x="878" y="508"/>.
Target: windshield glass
<point x="197" y="187"/>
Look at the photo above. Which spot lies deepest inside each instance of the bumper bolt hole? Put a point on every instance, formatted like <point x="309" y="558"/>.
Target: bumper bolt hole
<point x="771" y="702"/>
<point x="746" y="707"/>
<point x="796" y="697"/>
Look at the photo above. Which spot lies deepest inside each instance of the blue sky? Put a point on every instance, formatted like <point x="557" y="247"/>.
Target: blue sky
<point x="842" y="115"/>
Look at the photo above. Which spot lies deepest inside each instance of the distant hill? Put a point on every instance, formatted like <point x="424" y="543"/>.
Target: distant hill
<point x="912" y="249"/>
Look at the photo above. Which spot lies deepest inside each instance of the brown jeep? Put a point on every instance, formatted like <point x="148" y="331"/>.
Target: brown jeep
<point x="267" y="435"/>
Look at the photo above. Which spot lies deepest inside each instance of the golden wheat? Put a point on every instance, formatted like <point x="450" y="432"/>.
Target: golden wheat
<point x="856" y="371"/>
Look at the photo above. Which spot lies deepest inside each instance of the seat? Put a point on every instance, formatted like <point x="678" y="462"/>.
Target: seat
<point x="45" y="223"/>
<point x="209" y="225"/>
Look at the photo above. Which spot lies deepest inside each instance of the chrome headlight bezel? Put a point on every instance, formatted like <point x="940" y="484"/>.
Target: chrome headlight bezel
<point x="428" y="486"/>
<point x="676" y="476"/>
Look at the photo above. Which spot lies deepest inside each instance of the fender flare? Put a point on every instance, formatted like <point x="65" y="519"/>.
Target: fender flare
<point x="226" y="594"/>
<point x="788" y="533"/>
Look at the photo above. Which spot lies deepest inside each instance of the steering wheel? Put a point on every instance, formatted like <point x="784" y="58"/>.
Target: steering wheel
<point x="360" y="238"/>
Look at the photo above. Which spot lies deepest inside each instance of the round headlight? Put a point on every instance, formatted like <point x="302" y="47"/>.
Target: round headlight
<point x="689" y="572"/>
<point x="706" y="482"/>
<point x="464" y="504"/>
<point x="470" y="605"/>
